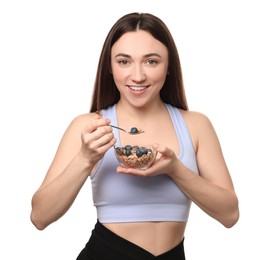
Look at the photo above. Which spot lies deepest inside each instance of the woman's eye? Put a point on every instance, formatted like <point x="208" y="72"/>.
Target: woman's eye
<point x="152" y="62"/>
<point x="124" y="62"/>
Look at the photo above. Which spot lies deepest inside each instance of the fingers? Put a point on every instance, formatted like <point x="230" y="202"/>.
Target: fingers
<point x="163" y="150"/>
<point x="97" y="137"/>
<point x="103" y="142"/>
<point x="96" y="123"/>
<point x="132" y="171"/>
<point x="95" y="129"/>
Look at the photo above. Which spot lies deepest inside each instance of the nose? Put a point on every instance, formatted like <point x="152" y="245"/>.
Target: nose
<point x="138" y="74"/>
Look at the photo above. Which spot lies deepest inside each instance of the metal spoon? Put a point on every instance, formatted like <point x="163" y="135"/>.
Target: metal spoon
<point x="133" y="130"/>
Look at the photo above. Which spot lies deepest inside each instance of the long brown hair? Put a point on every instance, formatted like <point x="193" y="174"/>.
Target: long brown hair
<point x="105" y="91"/>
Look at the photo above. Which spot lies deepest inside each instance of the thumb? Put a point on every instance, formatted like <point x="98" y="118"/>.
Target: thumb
<point x="165" y="151"/>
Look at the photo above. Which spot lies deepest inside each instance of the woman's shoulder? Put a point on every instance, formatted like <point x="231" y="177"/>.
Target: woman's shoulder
<point x="84" y="117"/>
<point x="195" y="117"/>
<point x="198" y="123"/>
<point x="79" y="121"/>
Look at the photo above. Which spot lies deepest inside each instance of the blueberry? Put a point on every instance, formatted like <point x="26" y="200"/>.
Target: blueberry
<point x="139" y="153"/>
<point x="134" y="130"/>
<point x="128" y="152"/>
<point x="128" y="147"/>
<point x="144" y="150"/>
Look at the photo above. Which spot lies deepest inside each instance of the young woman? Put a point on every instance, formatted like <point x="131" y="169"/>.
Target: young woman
<point x="142" y="214"/>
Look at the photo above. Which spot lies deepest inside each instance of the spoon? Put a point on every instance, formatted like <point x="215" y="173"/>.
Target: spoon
<point x="133" y="130"/>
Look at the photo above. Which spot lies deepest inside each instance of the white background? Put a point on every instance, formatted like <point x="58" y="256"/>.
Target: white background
<point x="48" y="56"/>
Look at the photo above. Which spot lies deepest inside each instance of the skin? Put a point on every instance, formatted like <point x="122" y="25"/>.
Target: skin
<point x="139" y="66"/>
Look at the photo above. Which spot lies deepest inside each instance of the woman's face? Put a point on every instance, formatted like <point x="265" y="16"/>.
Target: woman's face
<point x="139" y="65"/>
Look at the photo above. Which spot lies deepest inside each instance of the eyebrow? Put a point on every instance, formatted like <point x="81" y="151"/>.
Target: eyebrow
<point x="146" y="55"/>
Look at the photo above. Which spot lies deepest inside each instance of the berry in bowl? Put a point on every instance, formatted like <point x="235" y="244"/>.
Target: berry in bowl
<point x="137" y="157"/>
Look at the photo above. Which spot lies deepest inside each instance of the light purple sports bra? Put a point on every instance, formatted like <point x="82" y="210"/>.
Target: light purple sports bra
<point x="125" y="198"/>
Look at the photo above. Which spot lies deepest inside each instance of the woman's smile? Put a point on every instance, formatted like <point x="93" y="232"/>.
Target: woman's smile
<point x="137" y="88"/>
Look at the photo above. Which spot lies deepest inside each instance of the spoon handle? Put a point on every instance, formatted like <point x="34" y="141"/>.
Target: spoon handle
<point x="118" y="128"/>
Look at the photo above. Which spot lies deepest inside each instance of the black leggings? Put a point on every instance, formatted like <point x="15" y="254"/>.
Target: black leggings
<point x="106" y="245"/>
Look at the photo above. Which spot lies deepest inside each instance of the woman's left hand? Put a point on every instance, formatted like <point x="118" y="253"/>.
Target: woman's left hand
<point x="165" y="163"/>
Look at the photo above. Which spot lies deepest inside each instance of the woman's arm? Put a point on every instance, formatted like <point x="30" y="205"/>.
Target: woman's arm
<point x="83" y="144"/>
<point x="212" y="190"/>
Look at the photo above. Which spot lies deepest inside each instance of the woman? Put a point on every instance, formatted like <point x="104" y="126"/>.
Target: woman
<point x="142" y="214"/>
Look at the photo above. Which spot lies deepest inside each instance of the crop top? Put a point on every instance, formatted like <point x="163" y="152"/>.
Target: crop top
<point x="127" y="198"/>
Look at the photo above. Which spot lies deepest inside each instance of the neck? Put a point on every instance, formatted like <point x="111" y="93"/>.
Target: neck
<point x="126" y="110"/>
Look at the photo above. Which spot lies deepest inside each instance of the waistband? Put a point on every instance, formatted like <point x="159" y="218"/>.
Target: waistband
<point x="107" y="245"/>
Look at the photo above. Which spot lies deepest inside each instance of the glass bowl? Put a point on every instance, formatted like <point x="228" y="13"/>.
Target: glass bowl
<point x="137" y="157"/>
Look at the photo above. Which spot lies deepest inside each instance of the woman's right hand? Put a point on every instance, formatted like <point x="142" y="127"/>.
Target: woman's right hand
<point x="97" y="137"/>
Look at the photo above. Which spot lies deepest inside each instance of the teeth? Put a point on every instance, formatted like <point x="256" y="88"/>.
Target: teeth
<point x="136" y="88"/>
